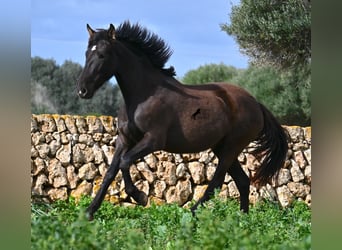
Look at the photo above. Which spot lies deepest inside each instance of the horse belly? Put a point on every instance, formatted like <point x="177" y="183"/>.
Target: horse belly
<point x="197" y="136"/>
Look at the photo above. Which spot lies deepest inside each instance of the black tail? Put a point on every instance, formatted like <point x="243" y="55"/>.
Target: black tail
<point x="271" y="147"/>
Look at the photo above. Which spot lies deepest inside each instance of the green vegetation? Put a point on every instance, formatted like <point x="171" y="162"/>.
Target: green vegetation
<point x="219" y="225"/>
<point x="53" y="90"/>
<point x="273" y="32"/>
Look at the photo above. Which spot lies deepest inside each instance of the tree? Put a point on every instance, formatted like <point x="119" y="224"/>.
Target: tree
<point x="53" y="90"/>
<point x="285" y="93"/>
<point x="274" y="32"/>
<point x="210" y="73"/>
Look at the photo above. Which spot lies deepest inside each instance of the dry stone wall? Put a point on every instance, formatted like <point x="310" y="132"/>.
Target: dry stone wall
<point x="70" y="156"/>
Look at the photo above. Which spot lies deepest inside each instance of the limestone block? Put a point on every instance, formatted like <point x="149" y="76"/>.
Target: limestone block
<point x="94" y="125"/>
<point x="64" y="154"/>
<point x="70" y="124"/>
<point x="296" y="173"/>
<point x="159" y="188"/>
<point x="197" y="171"/>
<point x="285" y="197"/>
<point x="88" y="171"/>
<point x="43" y="150"/>
<point x="84" y="188"/>
<point x="72" y="177"/>
<point x="57" y="174"/>
<point x="58" y="194"/>
<point x="146" y="172"/>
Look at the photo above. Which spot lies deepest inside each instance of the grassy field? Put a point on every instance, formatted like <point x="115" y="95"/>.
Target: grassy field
<point x="218" y="225"/>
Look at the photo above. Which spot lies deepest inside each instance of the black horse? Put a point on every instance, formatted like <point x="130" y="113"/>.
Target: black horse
<point x="160" y="113"/>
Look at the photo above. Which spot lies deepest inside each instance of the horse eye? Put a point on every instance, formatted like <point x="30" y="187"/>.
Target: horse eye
<point x="100" y="55"/>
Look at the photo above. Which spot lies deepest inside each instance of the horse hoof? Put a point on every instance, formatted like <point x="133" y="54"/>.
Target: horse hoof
<point x="142" y="199"/>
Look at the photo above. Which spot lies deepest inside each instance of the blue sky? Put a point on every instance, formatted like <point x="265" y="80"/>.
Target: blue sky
<point x="191" y="28"/>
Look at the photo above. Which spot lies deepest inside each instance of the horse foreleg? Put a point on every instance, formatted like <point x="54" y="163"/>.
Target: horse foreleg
<point x="144" y="147"/>
<point x="242" y="183"/>
<point x="109" y="177"/>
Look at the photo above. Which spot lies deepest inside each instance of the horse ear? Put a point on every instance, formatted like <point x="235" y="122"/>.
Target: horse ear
<point x="90" y="30"/>
<point x="111" y="31"/>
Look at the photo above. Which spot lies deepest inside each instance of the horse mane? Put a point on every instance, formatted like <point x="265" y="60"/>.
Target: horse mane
<point x="148" y="43"/>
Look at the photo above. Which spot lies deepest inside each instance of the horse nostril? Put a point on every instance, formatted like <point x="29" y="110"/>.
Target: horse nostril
<point x="82" y="92"/>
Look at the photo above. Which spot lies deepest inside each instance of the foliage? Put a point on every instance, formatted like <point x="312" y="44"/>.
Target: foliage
<point x="210" y="73"/>
<point x="53" y="90"/>
<point x="218" y="225"/>
<point x="285" y="93"/>
<point x="273" y="32"/>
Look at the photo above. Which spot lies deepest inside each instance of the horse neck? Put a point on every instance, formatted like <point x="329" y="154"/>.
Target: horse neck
<point x="133" y="78"/>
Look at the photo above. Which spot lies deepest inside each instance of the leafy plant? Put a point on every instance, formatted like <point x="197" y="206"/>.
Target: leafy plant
<point x="218" y="225"/>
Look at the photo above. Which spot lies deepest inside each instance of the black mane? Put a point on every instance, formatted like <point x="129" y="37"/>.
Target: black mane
<point x="148" y="43"/>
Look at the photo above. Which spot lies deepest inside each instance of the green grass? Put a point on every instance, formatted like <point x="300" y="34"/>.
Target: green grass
<point x="218" y="225"/>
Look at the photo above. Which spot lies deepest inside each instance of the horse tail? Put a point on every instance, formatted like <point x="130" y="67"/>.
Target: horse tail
<point x="271" y="149"/>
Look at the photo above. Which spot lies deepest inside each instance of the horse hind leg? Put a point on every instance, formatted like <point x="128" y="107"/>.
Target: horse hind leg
<point x="242" y="183"/>
<point x="225" y="160"/>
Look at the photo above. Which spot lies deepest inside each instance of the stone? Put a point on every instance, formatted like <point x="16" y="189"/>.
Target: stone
<point x="37" y="138"/>
<point x="180" y="193"/>
<point x="98" y="154"/>
<point x="159" y="188"/>
<point x="252" y="162"/>
<point x="108" y="153"/>
<point x="169" y="173"/>
<point x="46" y="123"/>
<point x="197" y="171"/>
<point x="48" y="138"/>
<point x="298" y="189"/>
<point x="145" y="171"/>
<point x="135" y="174"/>
<point x="171" y="195"/>
<point x="88" y="171"/>
<point x="34" y="152"/>
<point x="307" y="134"/>
<point x="296" y="133"/>
<point x="296" y="173"/>
<point x="57" y="174"/>
<point x="151" y="161"/>
<point x="84" y="188"/>
<point x="97" y="137"/>
<point x="210" y="171"/>
<point x="109" y="124"/>
<point x="64" y="154"/>
<point x="308" y="200"/>
<point x="81" y="124"/>
<point x="199" y="191"/>
<point x="34" y="124"/>
<point x="283" y="177"/>
<point x="38" y="188"/>
<point x="106" y="138"/>
<point x="70" y="124"/>
<point x="60" y="124"/>
<point x="143" y="186"/>
<point x="94" y="125"/>
<point x="72" y="177"/>
<point x="205" y="157"/>
<point x="285" y="197"/>
<point x="232" y="190"/>
<point x="54" y="146"/>
<point x="78" y="157"/>
<point x="254" y="195"/>
<point x="88" y="153"/>
<point x="103" y="168"/>
<point x="58" y="194"/>
<point x="86" y="139"/>
<point x="183" y="191"/>
<point x="268" y="192"/>
<point x="307" y="154"/>
<point x="182" y="171"/>
<point x="307" y="174"/>
<point x="300" y="159"/>
<point x="43" y="150"/>
<point x="37" y="166"/>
